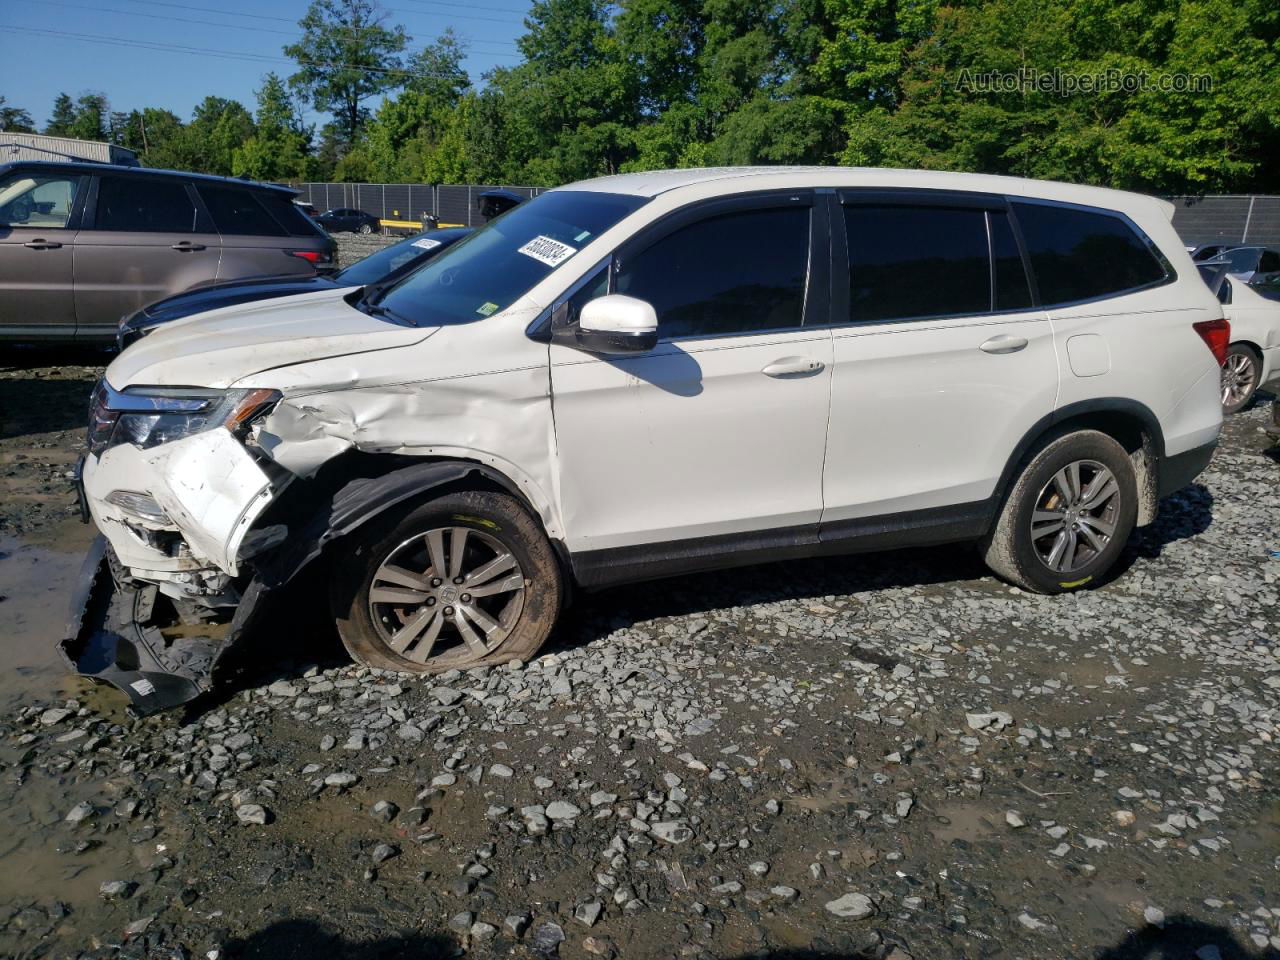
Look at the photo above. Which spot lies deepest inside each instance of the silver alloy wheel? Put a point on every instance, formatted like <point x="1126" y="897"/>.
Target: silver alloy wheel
<point x="451" y="594"/>
<point x="1237" y="379"/>
<point x="1075" y="516"/>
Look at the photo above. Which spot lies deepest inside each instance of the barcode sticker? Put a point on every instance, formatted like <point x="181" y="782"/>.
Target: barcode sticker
<point x="426" y="243"/>
<point x="548" y="251"/>
<point x="144" y="687"/>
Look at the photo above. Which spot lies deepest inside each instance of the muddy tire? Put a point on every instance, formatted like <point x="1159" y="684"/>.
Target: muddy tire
<point x="465" y="580"/>
<point x="1068" y="517"/>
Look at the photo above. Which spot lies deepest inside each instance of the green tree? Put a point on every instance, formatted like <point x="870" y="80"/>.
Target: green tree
<point x="62" y="117"/>
<point x="15" y="119"/>
<point x="218" y="127"/>
<point x="279" y="148"/>
<point x="345" y="56"/>
<point x="92" y="114"/>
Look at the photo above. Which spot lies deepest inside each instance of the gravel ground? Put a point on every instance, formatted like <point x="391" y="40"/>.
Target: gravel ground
<point x="887" y="756"/>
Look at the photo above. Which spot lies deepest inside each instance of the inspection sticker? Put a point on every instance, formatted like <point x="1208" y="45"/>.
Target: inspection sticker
<point x="548" y="251"/>
<point x="426" y="243"/>
<point x="487" y="309"/>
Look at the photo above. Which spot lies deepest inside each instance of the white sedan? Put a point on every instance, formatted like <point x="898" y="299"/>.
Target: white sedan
<point x="1253" y="358"/>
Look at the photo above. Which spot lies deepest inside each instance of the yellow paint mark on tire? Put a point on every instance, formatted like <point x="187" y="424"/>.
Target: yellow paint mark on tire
<point x="477" y="520"/>
<point x="1075" y="583"/>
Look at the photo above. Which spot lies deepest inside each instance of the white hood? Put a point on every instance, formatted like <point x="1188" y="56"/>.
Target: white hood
<point x="217" y="348"/>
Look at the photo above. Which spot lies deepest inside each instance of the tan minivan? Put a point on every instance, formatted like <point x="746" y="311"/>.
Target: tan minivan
<point x="83" y="244"/>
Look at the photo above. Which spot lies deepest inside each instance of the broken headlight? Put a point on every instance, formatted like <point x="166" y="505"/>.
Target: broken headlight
<point x="149" y="416"/>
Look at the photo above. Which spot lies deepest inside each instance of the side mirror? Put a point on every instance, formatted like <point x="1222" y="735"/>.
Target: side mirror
<point x="617" y="324"/>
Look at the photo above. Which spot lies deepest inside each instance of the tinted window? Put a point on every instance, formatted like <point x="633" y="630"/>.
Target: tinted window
<point x="1012" y="290"/>
<point x="728" y="274"/>
<point x="237" y="212"/>
<point x="1269" y="262"/>
<point x="288" y="214"/>
<point x="1079" y="255"/>
<point x="917" y="262"/>
<point x="146" y="205"/>
<point x="37" y="199"/>
<point x="489" y="270"/>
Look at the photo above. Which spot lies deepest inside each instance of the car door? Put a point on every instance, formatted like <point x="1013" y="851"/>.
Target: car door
<point x="146" y="238"/>
<point x="942" y="364"/>
<point x="719" y="431"/>
<point x="38" y="214"/>
<point x="255" y="242"/>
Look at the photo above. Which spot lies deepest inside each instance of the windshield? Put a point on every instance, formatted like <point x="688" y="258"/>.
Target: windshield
<point x="377" y="266"/>
<point x="493" y="267"/>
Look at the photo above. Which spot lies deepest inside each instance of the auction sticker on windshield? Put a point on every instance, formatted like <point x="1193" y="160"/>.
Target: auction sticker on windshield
<point x="426" y="243"/>
<point x="548" y="251"/>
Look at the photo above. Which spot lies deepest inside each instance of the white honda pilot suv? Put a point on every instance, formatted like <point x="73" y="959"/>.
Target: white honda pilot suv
<point x="647" y="375"/>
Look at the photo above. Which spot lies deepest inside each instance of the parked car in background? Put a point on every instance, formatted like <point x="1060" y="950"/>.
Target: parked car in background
<point x="494" y="203"/>
<point x="348" y="220"/>
<point x="650" y="375"/>
<point x="384" y="266"/>
<point x="84" y="244"/>
<point x="1252" y="264"/>
<point x="306" y="207"/>
<point x="1253" y="357"/>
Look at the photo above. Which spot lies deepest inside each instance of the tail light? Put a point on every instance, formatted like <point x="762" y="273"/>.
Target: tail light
<point x="316" y="258"/>
<point x="1216" y="335"/>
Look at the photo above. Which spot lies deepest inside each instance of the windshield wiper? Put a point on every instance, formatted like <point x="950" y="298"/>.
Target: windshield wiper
<point x="375" y="309"/>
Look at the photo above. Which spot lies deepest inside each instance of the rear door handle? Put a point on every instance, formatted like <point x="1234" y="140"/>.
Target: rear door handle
<point x="186" y="246"/>
<point x="1004" y="344"/>
<point x="792" y="367"/>
<point x="43" y="244"/>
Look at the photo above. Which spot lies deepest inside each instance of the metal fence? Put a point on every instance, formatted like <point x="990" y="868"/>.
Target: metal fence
<point x="407" y="203"/>
<point x="1228" y="219"/>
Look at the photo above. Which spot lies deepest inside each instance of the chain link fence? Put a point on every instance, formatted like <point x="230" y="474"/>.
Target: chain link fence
<point x="407" y="204"/>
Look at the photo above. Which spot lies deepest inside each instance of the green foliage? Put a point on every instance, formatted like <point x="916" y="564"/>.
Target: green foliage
<point x="345" y="56"/>
<point x="15" y="119"/>
<point x="606" y="86"/>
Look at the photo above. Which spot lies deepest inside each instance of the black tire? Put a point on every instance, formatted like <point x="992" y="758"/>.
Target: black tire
<point x="498" y="521"/>
<point x="366" y="228"/>
<point x="1242" y="366"/>
<point x="1014" y="553"/>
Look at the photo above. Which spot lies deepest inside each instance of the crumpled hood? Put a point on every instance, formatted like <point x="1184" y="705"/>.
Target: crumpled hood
<point x="219" y="347"/>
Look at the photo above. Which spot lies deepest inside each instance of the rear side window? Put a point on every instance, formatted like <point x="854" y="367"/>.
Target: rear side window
<point x="286" y="213"/>
<point x="238" y="213"/>
<point x="735" y="273"/>
<point x="1082" y="255"/>
<point x="144" y="205"/>
<point x="907" y="261"/>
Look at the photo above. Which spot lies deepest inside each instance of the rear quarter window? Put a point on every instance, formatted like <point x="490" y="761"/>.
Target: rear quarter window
<point x="238" y="212"/>
<point x="1084" y="254"/>
<point x="286" y="213"/>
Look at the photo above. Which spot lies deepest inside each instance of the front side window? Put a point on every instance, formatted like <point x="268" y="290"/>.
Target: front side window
<point x="1082" y="254"/>
<point x="37" y="199"/>
<point x="496" y="265"/>
<point x="919" y="261"/>
<point x="238" y="212"/>
<point x="143" y="205"/>
<point x="734" y="273"/>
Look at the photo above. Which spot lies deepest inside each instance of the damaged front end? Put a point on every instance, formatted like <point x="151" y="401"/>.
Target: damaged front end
<point x="174" y="486"/>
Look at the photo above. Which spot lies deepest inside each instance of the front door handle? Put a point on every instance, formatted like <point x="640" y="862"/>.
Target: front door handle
<point x="1004" y="344"/>
<point x="186" y="246"/>
<point x="43" y="244"/>
<point x="792" y="367"/>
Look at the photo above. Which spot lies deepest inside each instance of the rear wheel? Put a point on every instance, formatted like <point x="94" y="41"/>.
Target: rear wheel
<point x="1068" y="516"/>
<point x="366" y="228"/>
<point x="465" y="580"/>
<point x="1240" y="374"/>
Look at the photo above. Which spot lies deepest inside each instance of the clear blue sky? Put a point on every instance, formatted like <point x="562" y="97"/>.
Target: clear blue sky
<point x="36" y="66"/>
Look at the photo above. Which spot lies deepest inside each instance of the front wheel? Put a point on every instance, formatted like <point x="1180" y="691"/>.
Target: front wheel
<point x="1240" y="374"/>
<point x="1068" y="516"/>
<point x="462" y="581"/>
